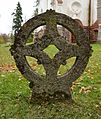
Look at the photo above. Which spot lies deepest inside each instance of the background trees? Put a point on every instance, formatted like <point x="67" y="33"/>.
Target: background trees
<point x="17" y="19"/>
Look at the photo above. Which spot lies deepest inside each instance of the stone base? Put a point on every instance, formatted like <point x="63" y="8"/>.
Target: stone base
<point x="46" y="91"/>
<point x="56" y="97"/>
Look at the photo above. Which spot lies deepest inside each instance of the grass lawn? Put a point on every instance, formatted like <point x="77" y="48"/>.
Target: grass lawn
<point x="15" y="93"/>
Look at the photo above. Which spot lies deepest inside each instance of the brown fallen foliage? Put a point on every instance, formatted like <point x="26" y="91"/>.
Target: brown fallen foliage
<point x="7" y="68"/>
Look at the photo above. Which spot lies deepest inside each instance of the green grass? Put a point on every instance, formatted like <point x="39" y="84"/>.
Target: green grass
<point x="5" y="56"/>
<point x="15" y="93"/>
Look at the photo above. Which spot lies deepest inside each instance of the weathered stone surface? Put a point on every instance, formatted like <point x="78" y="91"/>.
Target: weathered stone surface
<point x="51" y="85"/>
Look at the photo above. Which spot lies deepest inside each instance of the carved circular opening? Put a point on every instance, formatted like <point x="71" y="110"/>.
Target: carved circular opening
<point x="51" y="50"/>
<point x="35" y="66"/>
<point x="65" y="68"/>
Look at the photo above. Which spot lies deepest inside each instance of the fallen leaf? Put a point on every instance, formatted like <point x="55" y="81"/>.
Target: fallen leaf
<point x="7" y="68"/>
<point x="85" y="89"/>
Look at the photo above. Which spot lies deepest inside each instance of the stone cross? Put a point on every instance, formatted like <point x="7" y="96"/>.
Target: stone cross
<point x="52" y="85"/>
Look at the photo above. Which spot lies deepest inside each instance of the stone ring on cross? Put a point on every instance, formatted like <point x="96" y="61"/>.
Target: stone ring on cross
<point x="52" y="83"/>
